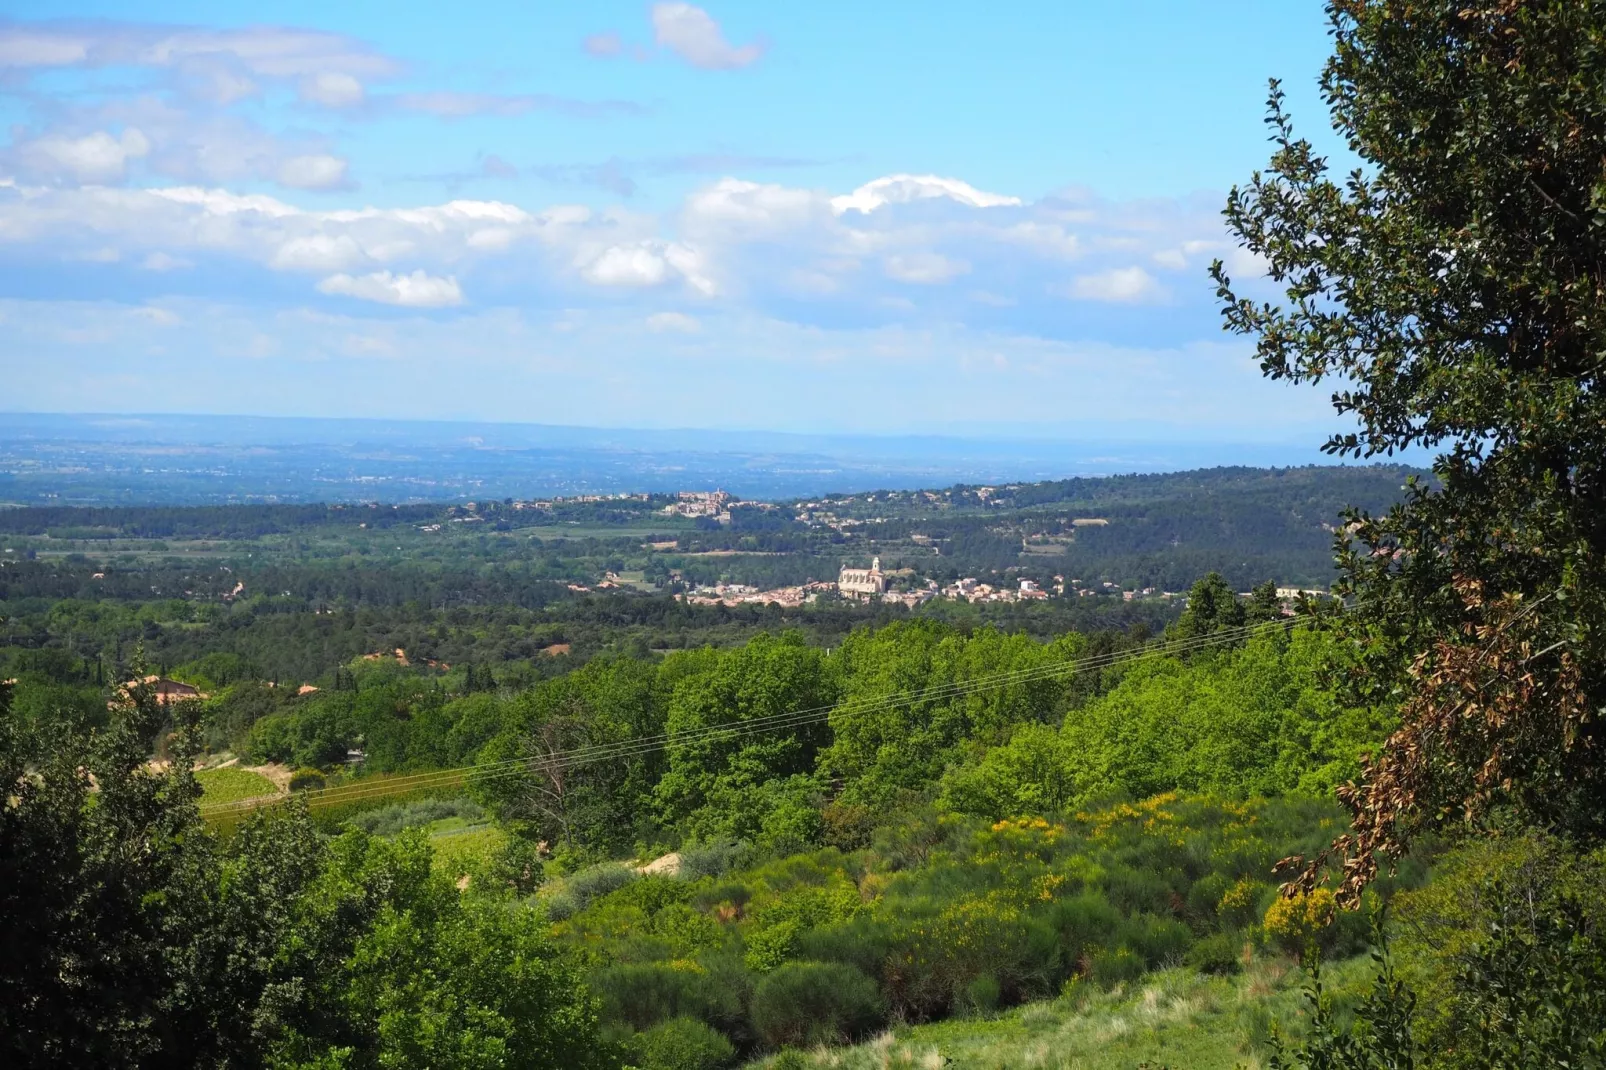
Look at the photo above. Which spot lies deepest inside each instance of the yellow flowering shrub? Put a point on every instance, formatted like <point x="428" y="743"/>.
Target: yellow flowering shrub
<point x="1299" y="922"/>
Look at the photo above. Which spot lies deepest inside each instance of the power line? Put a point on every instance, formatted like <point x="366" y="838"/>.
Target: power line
<point x="734" y="729"/>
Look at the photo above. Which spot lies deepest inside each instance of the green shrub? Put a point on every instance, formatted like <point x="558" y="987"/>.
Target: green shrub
<point x="861" y="942"/>
<point x="1132" y="890"/>
<point x="1082" y="921"/>
<point x="651" y="893"/>
<point x="1216" y="953"/>
<point x="597" y="881"/>
<point x="982" y="994"/>
<point x="307" y="780"/>
<point x="730" y="893"/>
<point x="807" y="1003"/>
<point x="1114" y="966"/>
<point x="683" y="1044"/>
<point x="712" y="859"/>
<point x="272" y="739"/>
<point x="560" y="906"/>
<point x="516" y="865"/>
<point x="1204" y="898"/>
<point x="1157" y="941"/>
<point x="772" y="945"/>
<point x="643" y="994"/>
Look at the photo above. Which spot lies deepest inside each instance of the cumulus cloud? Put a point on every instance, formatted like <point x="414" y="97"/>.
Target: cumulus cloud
<point x="96" y="158"/>
<point x="627" y="266"/>
<point x="418" y="290"/>
<point x="904" y="189"/>
<point x="732" y="243"/>
<point x="734" y="209"/>
<point x="1128" y="285"/>
<point x="692" y="34"/>
<point x="318" y="253"/>
<point x="99" y="143"/>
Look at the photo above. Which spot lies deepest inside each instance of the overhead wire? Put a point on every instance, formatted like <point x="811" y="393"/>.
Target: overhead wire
<point x="733" y="729"/>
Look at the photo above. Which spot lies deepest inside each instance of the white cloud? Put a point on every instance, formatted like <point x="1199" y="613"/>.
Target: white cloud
<point x="331" y="89"/>
<point x="318" y="253"/>
<point x="22" y="47"/>
<point x="316" y="171"/>
<point x="734" y="206"/>
<point x="693" y="35"/>
<point x="1128" y="285"/>
<point x="627" y="266"/>
<point x="673" y="322"/>
<point x="94" y="158"/>
<point x="732" y="243"/>
<point x="924" y="268"/>
<point x="417" y="290"/>
<point x="209" y="145"/>
<point x="903" y="189"/>
<point x="267" y="51"/>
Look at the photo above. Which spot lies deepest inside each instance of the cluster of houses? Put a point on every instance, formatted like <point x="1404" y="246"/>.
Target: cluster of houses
<point x="970" y="590"/>
<point x="736" y="594"/>
<point x="695" y="503"/>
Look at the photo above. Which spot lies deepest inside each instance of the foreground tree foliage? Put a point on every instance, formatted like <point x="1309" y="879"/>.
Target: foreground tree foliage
<point x="129" y="936"/>
<point x="1453" y="285"/>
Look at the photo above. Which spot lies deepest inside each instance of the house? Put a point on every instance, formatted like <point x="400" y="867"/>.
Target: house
<point x="164" y="690"/>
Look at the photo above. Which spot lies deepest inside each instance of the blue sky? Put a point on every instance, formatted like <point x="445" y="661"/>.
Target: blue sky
<point x="892" y="217"/>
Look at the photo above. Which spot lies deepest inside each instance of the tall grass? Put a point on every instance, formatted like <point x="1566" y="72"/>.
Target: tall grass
<point x="1173" y="1018"/>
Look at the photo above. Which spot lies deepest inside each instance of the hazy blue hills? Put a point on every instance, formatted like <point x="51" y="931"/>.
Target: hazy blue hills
<point x="183" y="459"/>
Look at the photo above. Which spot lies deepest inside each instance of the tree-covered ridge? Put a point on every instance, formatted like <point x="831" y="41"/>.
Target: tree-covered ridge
<point x="1162" y="531"/>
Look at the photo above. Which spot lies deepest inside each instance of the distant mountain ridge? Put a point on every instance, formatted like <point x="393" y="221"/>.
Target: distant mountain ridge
<point x="106" y="459"/>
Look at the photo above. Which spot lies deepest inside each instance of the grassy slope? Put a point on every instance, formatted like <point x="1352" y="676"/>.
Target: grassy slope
<point x="458" y="845"/>
<point x="231" y="785"/>
<point x="1174" y="1018"/>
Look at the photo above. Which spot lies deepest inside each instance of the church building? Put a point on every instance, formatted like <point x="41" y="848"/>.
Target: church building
<point x="865" y="581"/>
